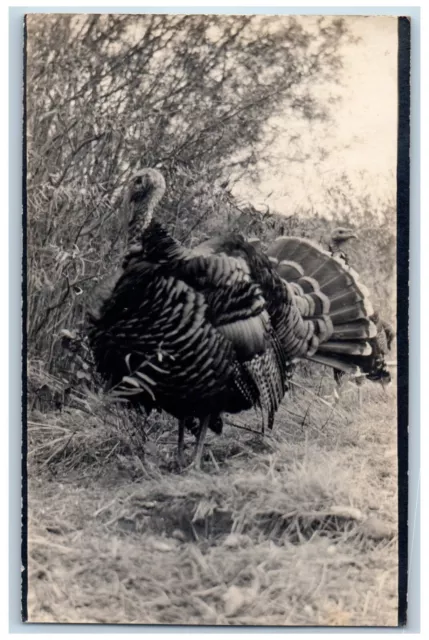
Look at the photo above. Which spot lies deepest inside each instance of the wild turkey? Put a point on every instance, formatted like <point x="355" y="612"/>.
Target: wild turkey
<point x="339" y="237"/>
<point x="215" y="329"/>
<point x="374" y="367"/>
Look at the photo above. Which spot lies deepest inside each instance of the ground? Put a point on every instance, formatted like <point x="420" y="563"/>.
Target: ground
<point x="297" y="527"/>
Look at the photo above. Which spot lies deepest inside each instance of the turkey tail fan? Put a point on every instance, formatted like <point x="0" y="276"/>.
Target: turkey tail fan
<point x="289" y="270"/>
<point x="332" y="274"/>
<point x="329" y="294"/>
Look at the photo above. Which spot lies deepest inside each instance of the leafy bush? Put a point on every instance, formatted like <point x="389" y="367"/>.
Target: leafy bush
<point x="193" y="95"/>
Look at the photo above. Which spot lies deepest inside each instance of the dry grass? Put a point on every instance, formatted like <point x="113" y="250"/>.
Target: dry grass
<point x="297" y="528"/>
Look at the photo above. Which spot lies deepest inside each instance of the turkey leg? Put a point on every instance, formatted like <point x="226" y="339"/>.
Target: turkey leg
<point x="181" y="444"/>
<point x="200" y="443"/>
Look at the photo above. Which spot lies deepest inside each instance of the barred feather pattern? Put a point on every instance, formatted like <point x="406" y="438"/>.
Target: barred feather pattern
<point x="218" y="329"/>
<point x="372" y="364"/>
<point x="332" y="301"/>
<point x="188" y="333"/>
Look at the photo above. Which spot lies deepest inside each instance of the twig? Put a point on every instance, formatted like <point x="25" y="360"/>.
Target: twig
<point x="328" y="419"/>
<point x="213" y="459"/>
<point x="293" y="413"/>
<point x="44" y="446"/>
<point x="104" y="508"/>
<point x="305" y="415"/>
<point x="55" y="306"/>
<point x="313" y="394"/>
<point x="41" y="425"/>
<point x="238" y="426"/>
<point x="320" y="385"/>
<point x="111" y="452"/>
<point x="58" y="451"/>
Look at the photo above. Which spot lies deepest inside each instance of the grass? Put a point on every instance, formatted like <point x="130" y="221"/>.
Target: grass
<point x="295" y="528"/>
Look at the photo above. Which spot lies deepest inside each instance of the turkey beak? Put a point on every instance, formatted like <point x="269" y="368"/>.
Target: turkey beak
<point x="138" y="189"/>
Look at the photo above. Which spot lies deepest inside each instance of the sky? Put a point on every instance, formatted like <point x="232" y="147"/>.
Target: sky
<point x="361" y="138"/>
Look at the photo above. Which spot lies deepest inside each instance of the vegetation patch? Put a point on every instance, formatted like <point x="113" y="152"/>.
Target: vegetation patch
<point x="298" y="527"/>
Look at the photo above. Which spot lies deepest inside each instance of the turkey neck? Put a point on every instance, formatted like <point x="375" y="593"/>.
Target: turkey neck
<point x="336" y="246"/>
<point x="146" y="233"/>
<point x="142" y="214"/>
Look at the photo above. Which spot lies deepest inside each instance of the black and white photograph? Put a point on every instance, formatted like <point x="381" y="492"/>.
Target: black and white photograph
<point x="210" y="291"/>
